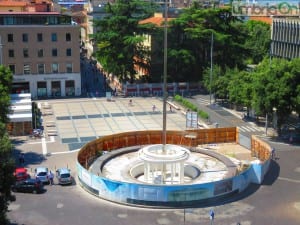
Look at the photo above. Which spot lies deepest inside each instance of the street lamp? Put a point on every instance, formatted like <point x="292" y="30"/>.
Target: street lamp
<point x="211" y="65"/>
<point x="1" y="51"/>
<point x="164" y="133"/>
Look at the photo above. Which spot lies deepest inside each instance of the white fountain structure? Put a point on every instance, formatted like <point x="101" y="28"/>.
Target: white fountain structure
<point x="163" y="164"/>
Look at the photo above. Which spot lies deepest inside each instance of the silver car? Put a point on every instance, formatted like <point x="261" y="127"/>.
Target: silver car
<point x="41" y="173"/>
<point x="63" y="176"/>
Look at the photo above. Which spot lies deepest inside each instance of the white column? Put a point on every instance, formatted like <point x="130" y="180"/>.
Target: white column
<point x="181" y="172"/>
<point x="63" y="87"/>
<point x="49" y="93"/>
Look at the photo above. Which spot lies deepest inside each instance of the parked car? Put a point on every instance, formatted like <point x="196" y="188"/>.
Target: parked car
<point x="29" y="186"/>
<point x="63" y="176"/>
<point x="21" y="174"/>
<point x="294" y="138"/>
<point x="41" y="173"/>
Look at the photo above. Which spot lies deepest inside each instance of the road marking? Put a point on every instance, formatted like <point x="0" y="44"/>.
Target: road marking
<point x="251" y="128"/>
<point x="59" y="153"/>
<point x="290" y="180"/>
<point x="44" y="146"/>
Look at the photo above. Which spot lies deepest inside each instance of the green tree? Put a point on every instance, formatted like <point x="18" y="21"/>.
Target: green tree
<point x="258" y="41"/>
<point x="119" y="47"/>
<point x="5" y="86"/>
<point x="216" y="81"/>
<point x="191" y="34"/>
<point x="7" y="164"/>
<point x="274" y="89"/>
<point x="295" y="70"/>
<point x="240" y="88"/>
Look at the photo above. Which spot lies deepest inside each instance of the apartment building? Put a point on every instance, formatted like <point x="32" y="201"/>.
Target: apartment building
<point x="42" y="49"/>
<point x="285" y="38"/>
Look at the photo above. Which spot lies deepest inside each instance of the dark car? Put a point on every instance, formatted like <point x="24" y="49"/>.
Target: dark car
<point x="21" y="174"/>
<point x="294" y="138"/>
<point x="29" y="186"/>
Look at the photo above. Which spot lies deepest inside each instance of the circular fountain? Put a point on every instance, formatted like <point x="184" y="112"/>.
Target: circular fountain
<point x="163" y="164"/>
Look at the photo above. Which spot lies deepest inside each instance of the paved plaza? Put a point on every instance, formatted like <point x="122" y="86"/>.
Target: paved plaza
<point x="76" y="122"/>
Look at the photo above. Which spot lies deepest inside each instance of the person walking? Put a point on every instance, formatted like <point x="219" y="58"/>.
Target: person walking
<point x="153" y="108"/>
<point x="273" y="154"/>
<point x="51" y="177"/>
<point x="21" y="158"/>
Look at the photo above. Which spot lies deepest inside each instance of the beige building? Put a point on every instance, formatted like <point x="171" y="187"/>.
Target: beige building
<point x="42" y="49"/>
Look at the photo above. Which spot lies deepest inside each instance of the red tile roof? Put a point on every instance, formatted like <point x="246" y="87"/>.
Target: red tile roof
<point x="13" y="3"/>
<point x="265" y="19"/>
<point x="23" y="2"/>
<point x="157" y="20"/>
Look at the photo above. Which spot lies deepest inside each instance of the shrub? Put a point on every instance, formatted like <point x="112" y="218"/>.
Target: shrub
<point x="187" y="104"/>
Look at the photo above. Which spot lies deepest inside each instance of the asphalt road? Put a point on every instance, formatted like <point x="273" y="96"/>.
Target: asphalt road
<point x="275" y="202"/>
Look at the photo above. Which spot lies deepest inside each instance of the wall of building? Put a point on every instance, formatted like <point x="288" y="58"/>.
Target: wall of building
<point x="285" y="38"/>
<point x="41" y="79"/>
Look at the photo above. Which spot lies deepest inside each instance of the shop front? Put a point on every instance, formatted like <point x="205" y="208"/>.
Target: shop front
<point x="48" y="86"/>
<point x="70" y="88"/>
<point x="20" y="88"/>
<point x="41" y="89"/>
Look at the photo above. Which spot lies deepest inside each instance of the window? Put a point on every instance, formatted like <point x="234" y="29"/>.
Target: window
<point x="55" y="90"/>
<point x="11" y="53"/>
<point x="40" y="53"/>
<point x="54" y="37"/>
<point x="39" y="37"/>
<point x="12" y="68"/>
<point x="25" y="53"/>
<point x="69" y="52"/>
<point x="26" y="69"/>
<point x="41" y="68"/>
<point x="70" y="88"/>
<point x="69" y="68"/>
<point x="68" y="37"/>
<point x="54" y="52"/>
<point x="10" y="38"/>
<point x="42" y="89"/>
<point x="54" y="67"/>
<point x="25" y="37"/>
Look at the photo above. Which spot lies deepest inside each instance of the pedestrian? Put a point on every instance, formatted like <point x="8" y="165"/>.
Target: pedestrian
<point x="21" y="158"/>
<point x="51" y="177"/>
<point x="273" y="154"/>
<point x="153" y="108"/>
<point x="130" y="102"/>
<point x="170" y="108"/>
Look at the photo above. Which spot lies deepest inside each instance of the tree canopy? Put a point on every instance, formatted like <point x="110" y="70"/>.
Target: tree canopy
<point x="7" y="164"/>
<point x="119" y="48"/>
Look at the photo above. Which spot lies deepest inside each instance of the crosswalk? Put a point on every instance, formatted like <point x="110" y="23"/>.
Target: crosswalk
<point x="203" y="101"/>
<point x="251" y="128"/>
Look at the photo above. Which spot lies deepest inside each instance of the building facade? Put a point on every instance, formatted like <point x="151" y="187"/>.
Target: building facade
<point x="42" y="49"/>
<point x="285" y="38"/>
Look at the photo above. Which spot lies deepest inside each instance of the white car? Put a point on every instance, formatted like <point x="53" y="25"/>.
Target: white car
<point x="41" y="173"/>
<point x="63" y="176"/>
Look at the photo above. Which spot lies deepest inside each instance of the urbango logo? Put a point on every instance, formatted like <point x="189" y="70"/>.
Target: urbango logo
<point x="265" y="8"/>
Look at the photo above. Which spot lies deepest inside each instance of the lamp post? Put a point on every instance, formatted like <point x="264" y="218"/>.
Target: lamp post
<point x="165" y="76"/>
<point x="1" y="51"/>
<point x="211" y="65"/>
<point x="266" y="125"/>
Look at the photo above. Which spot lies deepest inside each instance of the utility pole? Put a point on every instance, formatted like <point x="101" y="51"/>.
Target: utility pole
<point x="164" y="134"/>
<point x="1" y="60"/>
<point x="211" y="65"/>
